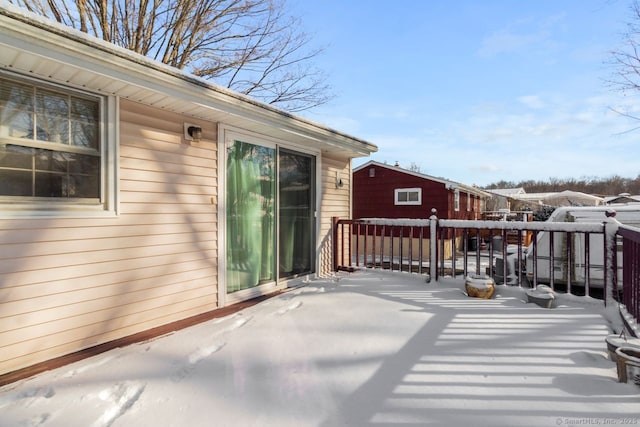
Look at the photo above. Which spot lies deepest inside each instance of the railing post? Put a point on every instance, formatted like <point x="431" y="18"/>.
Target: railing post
<point x="610" y="259"/>
<point x="433" y="246"/>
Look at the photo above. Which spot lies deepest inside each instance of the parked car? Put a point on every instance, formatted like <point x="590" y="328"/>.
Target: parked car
<point x="575" y="270"/>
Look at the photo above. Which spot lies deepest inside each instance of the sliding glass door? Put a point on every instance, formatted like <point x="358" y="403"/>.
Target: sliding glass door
<point x="297" y="213"/>
<point x="270" y="215"/>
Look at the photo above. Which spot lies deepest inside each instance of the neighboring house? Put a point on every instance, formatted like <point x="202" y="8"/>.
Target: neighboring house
<point x="623" y="198"/>
<point x="501" y="198"/>
<point x="134" y="195"/>
<point x="384" y="191"/>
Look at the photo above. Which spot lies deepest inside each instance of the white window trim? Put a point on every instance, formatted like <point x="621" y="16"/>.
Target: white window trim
<point x="456" y="200"/>
<point x="109" y="159"/>
<point x="397" y="191"/>
<point x="468" y="202"/>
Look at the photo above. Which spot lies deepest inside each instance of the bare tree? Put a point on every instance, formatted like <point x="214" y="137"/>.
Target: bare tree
<point x="250" y="46"/>
<point x="414" y="167"/>
<point x="626" y="60"/>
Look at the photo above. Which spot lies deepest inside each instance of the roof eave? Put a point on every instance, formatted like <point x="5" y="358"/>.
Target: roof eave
<point x="108" y="60"/>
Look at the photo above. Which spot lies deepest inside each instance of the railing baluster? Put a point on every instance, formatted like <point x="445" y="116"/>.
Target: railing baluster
<point x="492" y="272"/>
<point x="358" y="244"/>
<point x="342" y="245"/>
<point x="373" y="247"/>
<point x="421" y="241"/>
<point x="350" y="243"/>
<point x="382" y="234"/>
<point x="465" y="242"/>
<point x="477" y="250"/>
<point x="569" y="254"/>
<point x="587" y="266"/>
<point x="535" y="257"/>
<point x="364" y="250"/>
<point x="505" y="269"/>
<point x="401" y="247"/>
<point x="518" y="267"/>
<point x="411" y="249"/>
<point x="440" y="251"/>
<point x="391" y="248"/>
<point x="453" y="253"/>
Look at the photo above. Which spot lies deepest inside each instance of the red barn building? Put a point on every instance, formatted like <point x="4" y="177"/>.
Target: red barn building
<point x="384" y="191"/>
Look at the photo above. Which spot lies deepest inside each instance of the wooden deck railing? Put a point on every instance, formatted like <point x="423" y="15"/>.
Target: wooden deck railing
<point x="498" y="249"/>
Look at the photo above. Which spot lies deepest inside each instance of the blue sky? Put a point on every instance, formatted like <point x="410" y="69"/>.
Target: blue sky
<point x="478" y="91"/>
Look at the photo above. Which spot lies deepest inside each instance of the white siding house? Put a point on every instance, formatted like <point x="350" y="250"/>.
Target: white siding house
<point x="116" y="218"/>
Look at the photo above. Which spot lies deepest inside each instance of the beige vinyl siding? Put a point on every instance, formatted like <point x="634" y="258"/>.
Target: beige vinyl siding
<point x="334" y="202"/>
<point x="71" y="283"/>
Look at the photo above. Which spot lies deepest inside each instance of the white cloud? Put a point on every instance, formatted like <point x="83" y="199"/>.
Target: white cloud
<point x="507" y="42"/>
<point x="562" y="138"/>
<point x="525" y="35"/>
<point x="532" y="101"/>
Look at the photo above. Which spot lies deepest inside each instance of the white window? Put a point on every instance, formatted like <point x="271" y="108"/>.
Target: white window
<point x="408" y="196"/>
<point x="468" y="201"/>
<point x="53" y="149"/>
<point x="456" y="200"/>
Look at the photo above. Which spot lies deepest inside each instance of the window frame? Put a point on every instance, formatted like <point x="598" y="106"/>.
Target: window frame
<point x="408" y="202"/>
<point x="456" y="200"/>
<point x="106" y="204"/>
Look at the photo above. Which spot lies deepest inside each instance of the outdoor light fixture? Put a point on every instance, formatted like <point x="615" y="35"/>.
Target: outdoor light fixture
<point x="192" y="132"/>
<point x="339" y="183"/>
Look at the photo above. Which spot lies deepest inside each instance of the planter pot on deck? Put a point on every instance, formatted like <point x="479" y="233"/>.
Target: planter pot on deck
<point x="614" y="341"/>
<point x="479" y="286"/>
<point x="628" y="364"/>
<point x="542" y="296"/>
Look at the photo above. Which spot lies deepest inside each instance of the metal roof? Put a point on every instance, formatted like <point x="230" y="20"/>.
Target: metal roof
<point x="39" y="47"/>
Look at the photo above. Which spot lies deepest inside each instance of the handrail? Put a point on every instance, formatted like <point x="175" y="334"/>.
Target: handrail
<point x="393" y="244"/>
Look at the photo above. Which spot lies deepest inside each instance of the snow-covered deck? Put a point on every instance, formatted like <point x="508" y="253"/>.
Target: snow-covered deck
<point x="367" y="348"/>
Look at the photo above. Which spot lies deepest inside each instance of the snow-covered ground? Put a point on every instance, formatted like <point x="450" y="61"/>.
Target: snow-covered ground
<point x="368" y="348"/>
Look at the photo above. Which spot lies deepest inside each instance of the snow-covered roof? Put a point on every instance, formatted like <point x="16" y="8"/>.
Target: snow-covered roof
<point x="533" y="196"/>
<point x="39" y="47"/>
<point x="574" y="194"/>
<point x="622" y="198"/>
<point x="453" y="185"/>
<point x="553" y="195"/>
<point x="507" y="192"/>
